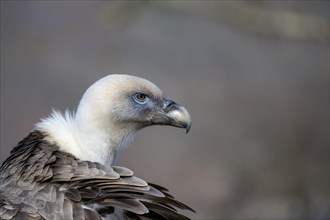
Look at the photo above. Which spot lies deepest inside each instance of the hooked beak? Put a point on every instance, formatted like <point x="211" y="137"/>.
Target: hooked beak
<point x="176" y="115"/>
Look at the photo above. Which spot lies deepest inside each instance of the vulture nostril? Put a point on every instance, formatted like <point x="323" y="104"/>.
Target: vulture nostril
<point x="169" y="106"/>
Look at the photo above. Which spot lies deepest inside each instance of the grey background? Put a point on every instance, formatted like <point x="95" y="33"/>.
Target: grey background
<point x="254" y="75"/>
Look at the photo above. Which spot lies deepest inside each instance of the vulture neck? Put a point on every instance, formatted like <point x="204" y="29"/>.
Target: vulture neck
<point x="86" y="136"/>
<point x="102" y="138"/>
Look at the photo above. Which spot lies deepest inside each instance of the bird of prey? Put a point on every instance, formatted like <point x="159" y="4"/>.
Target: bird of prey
<point x="64" y="168"/>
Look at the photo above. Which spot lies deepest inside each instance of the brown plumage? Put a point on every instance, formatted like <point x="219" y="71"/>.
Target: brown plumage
<point x="41" y="179"/>
<point x="45" y="183"/>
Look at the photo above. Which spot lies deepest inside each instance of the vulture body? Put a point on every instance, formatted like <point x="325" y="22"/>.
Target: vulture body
<point x="64" y="168"/>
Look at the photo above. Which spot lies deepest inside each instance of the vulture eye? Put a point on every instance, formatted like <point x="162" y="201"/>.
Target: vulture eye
<point x="140" y="98"/>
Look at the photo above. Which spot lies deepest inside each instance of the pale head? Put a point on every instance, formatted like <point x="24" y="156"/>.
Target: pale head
<point x="109" y="114"/>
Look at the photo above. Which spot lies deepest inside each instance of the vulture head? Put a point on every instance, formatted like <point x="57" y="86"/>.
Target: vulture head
<point x="109" y="114"/>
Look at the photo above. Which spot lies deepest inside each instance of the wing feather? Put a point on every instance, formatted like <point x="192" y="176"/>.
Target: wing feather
<point x="38" y="181"/>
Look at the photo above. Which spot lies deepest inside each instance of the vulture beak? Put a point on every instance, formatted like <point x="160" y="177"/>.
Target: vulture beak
<point x="176" y="115"/>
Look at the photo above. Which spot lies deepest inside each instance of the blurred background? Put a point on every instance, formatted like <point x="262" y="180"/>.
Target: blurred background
<point x="254" y="75"/>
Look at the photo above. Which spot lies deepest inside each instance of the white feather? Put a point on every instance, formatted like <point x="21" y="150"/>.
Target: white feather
<point x="92" y="133"/>
<point x="58" y="128"/>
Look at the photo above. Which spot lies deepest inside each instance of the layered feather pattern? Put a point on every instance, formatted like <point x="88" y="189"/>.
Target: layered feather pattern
<point x="38" y="181"/>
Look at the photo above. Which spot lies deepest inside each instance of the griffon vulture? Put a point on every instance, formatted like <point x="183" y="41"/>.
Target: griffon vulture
<point x="64" y="168"/>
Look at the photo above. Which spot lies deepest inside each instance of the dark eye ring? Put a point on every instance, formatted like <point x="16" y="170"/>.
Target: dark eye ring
<point x="140" y="98"/>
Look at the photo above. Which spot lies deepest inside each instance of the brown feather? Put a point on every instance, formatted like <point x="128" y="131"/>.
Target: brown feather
<point x="38" y="181"/>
